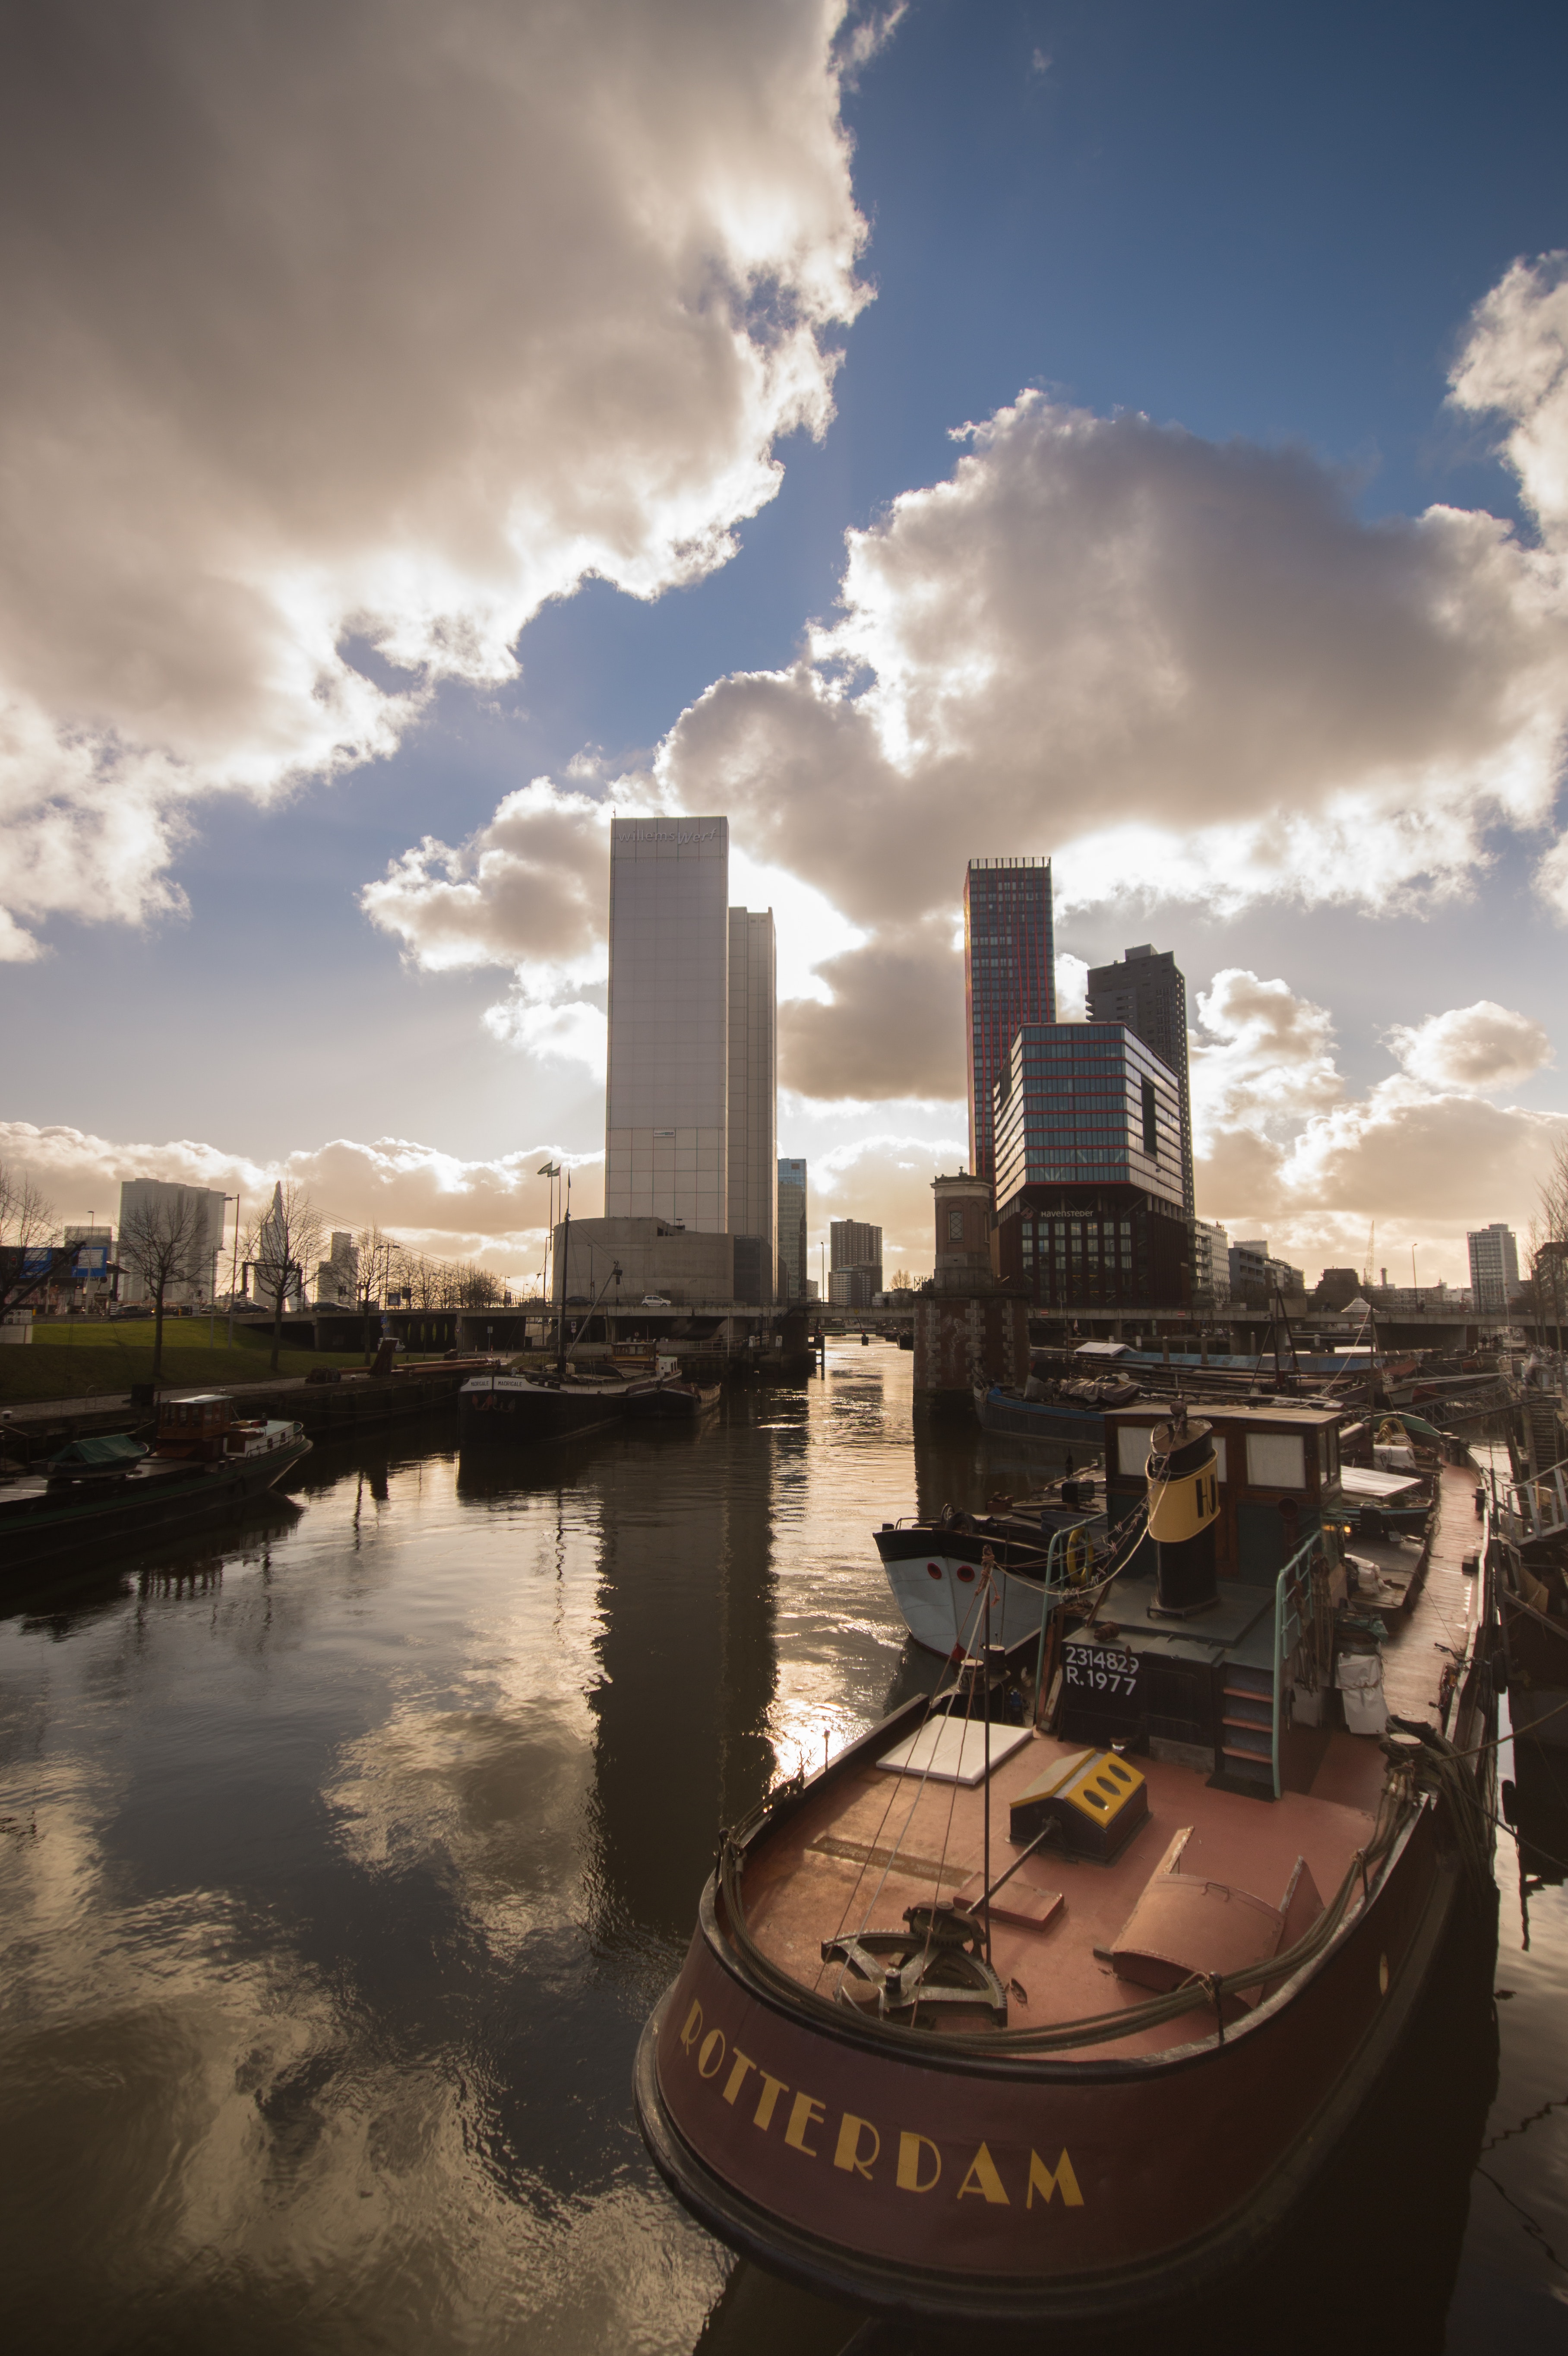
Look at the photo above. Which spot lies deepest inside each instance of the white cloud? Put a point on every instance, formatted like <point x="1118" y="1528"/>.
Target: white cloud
<point x="1480" y="1046"/>
<point x="1266" y="1060"/>
<point x="493" y="1211"/>
<point x="1283" y="1149"/>
<point x="384" y="323"/>
<point x="1071" y="987"/>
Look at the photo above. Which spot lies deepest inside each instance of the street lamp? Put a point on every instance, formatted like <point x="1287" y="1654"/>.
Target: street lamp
<point x="233" y="1274"/>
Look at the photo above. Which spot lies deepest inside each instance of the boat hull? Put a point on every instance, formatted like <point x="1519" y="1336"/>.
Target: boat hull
<point x="935" y="1591"/>
<point x="1040" y="1419"/>
<point x="1071" y="2189"/>
<point x="667" y="1403"/>
<point x="517" y="1414"/>
<point x="132" y="1520"/>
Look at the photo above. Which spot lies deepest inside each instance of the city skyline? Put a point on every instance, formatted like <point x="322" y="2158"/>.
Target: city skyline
<point x="331" y="649"/>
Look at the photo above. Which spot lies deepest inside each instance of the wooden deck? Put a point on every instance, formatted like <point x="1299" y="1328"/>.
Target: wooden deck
<point x="872" y="1844"/>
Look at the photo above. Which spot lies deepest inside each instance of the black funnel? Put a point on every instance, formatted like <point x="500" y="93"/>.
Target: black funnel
<point x="1183" y="1513"/>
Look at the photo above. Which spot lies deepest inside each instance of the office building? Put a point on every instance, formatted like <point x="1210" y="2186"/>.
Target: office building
<point x="793" y="1278"/>
<point x="1146" y="991"/>
<point x="667" y="1122"/>
<point x="1249" y="1272"/>
<point x="1494" y="1267"/>
<point x="337" y="1276"/>
<point x="854" y="1263"/>
<point x="201" y="1210"/>
<point x="754" y="1092"/>
<point x="1211" y="1265"/>
<point x="691" y="1099"/>
<point x="1091" y="1212"/>
<point x="1009" y="979"/>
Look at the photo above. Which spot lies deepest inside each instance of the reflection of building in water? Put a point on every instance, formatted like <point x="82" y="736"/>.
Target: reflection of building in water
<point x="689" y="1670"/>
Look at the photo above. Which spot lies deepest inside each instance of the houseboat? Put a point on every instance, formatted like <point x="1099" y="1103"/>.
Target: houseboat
<point x="111" y="1494"/>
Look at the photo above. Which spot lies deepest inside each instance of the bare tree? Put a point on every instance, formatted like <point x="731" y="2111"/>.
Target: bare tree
<point x="379" y="1255"/>
<point x="166" y="1242"/>
<point x="280" y="1245"/>
<point x="27" y="1229"/>
<point x="1549" y="1244"/>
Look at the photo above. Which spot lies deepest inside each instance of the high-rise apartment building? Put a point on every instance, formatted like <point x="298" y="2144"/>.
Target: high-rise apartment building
<point x="1211" y="1265"/>
<point x="754" y="1092"/>
<point x="1088" y="1186"/>
<point x="793" y="1278"/>
<point x="1010" y="979"/>
<point x="1494" y="1267"/>
<point x="199" y="1211"/>
<point x="854" y="1263"/>
<point x="691" y="1091"/>
<point x="1146" y="990"/>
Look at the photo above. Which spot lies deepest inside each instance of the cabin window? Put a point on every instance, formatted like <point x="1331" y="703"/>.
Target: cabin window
<point x="1328" y="1457"/>
<point x="1131" y="1447"/>
<point x="1276" y="1460"/>
<point x="1218" y="1459"/>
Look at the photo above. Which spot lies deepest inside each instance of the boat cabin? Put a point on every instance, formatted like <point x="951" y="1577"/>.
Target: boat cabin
<point x="1279" y="1474"/>
<point x="195" y="1427"/>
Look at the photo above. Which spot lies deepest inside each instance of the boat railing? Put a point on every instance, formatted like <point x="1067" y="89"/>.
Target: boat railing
<point x="1536" y="1507"/>
<point x="1292" y="1613"/>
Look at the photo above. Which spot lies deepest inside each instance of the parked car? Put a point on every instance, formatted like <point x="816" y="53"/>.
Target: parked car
<point x="657" y="1301"/>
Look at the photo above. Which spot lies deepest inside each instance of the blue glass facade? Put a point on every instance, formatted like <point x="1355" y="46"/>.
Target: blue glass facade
<point x="1089" y="1173"/>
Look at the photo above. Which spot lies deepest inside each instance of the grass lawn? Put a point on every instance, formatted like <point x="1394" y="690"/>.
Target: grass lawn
<point x="78" y="1358"/>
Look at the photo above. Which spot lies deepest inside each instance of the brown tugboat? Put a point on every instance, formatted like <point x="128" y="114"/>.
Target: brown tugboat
<point x="1047" y="1999"/>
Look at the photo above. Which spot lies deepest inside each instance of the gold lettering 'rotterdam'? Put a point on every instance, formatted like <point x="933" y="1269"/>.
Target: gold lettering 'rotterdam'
<point x="855" y="2147"/>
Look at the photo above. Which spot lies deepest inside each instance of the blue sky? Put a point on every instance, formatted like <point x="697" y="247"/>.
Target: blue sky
<point x="1243" y="223"/>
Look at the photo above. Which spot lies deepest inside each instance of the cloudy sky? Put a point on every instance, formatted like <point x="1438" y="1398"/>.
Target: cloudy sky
<point x="1128" y="433"/>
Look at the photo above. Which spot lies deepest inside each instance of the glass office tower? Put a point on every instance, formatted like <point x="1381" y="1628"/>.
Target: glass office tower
<point x="1145" y="989"/>
<point x="666" y="1089"/>
<point x="1091" y="1209"/>
<point x="791" y="1230"/>
<point x="1009" y="979"/>
<point x="753" y="1151"/>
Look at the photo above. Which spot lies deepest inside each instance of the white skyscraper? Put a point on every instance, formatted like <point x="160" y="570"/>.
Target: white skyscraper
<point x="753" y="1088"/>
<point x="690" y="1100"/>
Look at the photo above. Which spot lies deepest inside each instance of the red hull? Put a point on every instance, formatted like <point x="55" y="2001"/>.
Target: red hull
<point x="1013" y="2187"/>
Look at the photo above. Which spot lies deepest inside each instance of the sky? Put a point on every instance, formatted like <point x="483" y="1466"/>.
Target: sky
<point x="1131" y="435"/>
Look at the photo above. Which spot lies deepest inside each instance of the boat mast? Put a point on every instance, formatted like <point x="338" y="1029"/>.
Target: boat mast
<point x="562" y="1277"/>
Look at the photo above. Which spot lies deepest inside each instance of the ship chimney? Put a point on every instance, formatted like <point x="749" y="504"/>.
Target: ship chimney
<point x="1183" y="1514"/>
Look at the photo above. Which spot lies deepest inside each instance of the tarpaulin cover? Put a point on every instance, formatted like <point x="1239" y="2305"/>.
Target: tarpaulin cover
<point x="104" y="1451"/>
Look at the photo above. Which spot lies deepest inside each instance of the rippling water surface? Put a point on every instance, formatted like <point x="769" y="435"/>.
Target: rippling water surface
<point x="340" y="1868"/>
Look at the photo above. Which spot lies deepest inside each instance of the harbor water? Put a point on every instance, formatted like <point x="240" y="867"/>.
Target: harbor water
<point x="341" y="1864"/>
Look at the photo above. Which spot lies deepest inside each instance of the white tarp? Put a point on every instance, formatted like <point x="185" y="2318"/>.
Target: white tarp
<point x="953" y="1753"/>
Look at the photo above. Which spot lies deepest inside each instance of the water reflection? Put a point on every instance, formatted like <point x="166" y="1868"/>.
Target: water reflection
<point x="340" y="1863"/>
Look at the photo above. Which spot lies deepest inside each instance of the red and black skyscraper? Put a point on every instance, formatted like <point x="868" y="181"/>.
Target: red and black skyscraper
<point x="1009" y="979"/>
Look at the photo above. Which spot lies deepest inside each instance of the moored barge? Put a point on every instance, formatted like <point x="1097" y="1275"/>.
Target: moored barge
<point x="1052" y="2019"/>
<point x="108" y="1492"/>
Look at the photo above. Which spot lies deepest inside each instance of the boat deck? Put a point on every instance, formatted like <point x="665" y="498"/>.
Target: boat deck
<point x="871" y="1842"/>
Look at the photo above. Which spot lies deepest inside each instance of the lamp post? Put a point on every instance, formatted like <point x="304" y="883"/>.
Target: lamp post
<point x="233" y="1272"/>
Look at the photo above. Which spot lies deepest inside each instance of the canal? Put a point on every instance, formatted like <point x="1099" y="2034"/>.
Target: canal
<point x="340" y="1866"/>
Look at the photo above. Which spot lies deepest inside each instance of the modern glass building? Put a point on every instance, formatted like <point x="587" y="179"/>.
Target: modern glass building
<point x="1010" y="979"/>
<point x="752" y="1177"/>
<point x="691" y="1091"/>
<point x="666" y="1128"/>
<point x="1146" y="989"/>
<point x="792" y="1276"/>
<point x="1091" y="1208"/>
